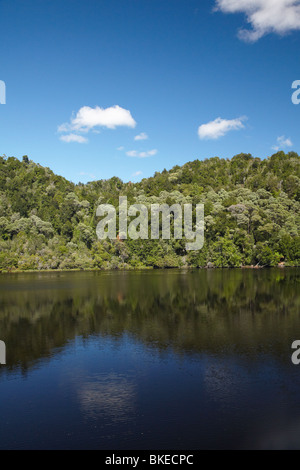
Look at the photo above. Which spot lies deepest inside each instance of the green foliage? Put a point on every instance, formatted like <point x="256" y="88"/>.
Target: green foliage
<point x="252" y="215"/>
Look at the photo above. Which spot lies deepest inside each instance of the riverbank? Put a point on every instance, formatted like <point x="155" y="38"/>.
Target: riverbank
<point x="145" y="268"/>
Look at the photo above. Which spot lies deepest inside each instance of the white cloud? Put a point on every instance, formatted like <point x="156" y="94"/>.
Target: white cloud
<point x="285" y="142"/>
<point x="264" y="16"/>
<point x="121" y="148"/>
<point x="219" y="127"/>
<point x="282" y="143"/>
<point x="90" y="175"/>
<point x="73" y="138"/>
<point x="88" y="118"/>
<point x="135" y="153"/>
<point x="141" y="136"/>
<point x="63" y="128"/>
<point x="137" y="173"/>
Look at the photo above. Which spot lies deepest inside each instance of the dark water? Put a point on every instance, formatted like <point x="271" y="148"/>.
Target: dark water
<point x="150" y="360"/>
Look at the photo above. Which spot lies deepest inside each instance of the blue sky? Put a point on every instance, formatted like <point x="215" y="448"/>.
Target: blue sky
<point x="191" y="78"/>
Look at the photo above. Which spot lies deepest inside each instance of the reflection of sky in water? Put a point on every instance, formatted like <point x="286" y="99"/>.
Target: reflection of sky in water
<point x="285" y="438"/>
<point x="220" y="382"/>
<point x="110" y="396"/>
<point x="153" y="360"/>
<point x="255" y="403"/>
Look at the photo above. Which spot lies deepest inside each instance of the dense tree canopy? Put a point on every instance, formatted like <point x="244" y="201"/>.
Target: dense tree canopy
<point x="252" y="215"/>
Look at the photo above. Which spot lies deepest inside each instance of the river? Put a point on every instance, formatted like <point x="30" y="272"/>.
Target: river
<point x="150" y="360"/>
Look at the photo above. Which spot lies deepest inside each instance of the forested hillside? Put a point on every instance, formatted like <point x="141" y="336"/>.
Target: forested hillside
<point x="252" y="215"/>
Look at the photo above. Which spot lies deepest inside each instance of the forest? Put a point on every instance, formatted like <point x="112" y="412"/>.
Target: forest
<point x="252" y="216"/>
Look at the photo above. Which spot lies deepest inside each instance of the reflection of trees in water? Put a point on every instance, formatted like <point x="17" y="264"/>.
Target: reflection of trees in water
<point x="217" y="311"/>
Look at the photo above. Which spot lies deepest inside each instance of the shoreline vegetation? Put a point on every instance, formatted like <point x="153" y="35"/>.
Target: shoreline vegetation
<point x="252" y="216"/>
<point x="144" y="268"/>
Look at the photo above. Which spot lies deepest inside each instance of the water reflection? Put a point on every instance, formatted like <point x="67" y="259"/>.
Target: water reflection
<point x="110" y="396"/>
<point x="218" y="312"/>
<point x="150" y="360"/>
